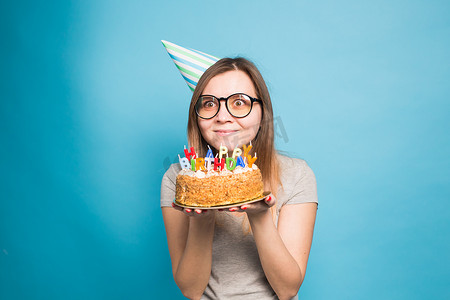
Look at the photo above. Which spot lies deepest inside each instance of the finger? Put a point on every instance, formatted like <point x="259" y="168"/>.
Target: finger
<point x="270" y="201"/>
<point x="177" y="207"/>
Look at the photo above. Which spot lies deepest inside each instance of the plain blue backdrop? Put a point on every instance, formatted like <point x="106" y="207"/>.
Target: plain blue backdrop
<point x="93" y="111"/>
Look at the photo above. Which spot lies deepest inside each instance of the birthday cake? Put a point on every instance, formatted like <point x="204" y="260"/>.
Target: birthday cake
<point x="213" y="181"/>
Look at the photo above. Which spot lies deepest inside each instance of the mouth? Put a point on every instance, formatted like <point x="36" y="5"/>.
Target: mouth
<point x="225" y="132"/>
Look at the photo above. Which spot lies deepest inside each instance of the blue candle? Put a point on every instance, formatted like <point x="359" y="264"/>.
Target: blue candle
<point x="209" y="153"/>
<point x="240" y="162"/>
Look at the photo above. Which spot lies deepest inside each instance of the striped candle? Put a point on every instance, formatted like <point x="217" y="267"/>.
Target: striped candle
<point x="191" y="63"/>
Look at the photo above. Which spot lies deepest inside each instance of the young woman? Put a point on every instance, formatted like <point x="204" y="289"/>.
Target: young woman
<point x="253" y="251"/>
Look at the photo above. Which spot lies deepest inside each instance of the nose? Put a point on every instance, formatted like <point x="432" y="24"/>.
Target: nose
<point x="223" y="115"/>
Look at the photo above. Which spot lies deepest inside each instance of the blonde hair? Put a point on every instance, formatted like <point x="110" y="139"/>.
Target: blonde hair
<point x="263" y="143"/>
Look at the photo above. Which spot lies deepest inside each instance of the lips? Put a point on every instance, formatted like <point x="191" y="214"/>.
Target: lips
<point x="224" y="132"/>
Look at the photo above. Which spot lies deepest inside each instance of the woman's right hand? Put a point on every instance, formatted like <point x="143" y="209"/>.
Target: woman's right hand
<point x="194" y="212"/>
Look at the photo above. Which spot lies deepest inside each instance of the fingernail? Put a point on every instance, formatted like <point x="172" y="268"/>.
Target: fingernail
<point x="244" y="207"/>
<point x="188" y="210"/>
<point x="198" y="211"/>
<point x="268" y="199"/>
<point x="173" y="204"/>
<point x="232" y="209"/>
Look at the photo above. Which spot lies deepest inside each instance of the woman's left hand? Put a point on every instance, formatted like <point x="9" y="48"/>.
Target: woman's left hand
<point x="255" y="207"/>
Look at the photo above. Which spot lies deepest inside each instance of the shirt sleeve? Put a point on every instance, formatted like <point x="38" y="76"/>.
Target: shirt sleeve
<point x="305" y="187"/>
<point x="168" y="184"/>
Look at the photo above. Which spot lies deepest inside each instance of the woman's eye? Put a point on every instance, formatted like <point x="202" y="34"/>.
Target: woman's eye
<point x="238" y="103"/>
<point x="208" y="104"/>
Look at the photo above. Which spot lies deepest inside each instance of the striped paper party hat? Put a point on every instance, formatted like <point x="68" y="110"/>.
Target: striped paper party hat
<point x="191" y="63"/>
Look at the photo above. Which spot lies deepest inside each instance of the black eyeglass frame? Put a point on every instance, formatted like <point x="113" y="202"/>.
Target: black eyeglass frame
<point x="252" y="100"/>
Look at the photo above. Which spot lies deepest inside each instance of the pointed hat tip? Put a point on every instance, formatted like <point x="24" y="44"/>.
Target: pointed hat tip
<point x="191" y="63"/>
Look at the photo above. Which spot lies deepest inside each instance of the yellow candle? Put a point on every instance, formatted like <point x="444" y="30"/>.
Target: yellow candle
<point x="246" y="149"/>
<point x="251" y="160"/>
<point x="199" y="163"/>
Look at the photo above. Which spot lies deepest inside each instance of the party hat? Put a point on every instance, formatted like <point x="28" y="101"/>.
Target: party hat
<point x="191" y="63"/>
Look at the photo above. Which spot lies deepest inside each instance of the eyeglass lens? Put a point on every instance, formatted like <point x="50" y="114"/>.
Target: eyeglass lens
<point x="239" y="105"/>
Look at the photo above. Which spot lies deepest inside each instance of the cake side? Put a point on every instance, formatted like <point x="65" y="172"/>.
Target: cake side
<point x="219" y="188"/>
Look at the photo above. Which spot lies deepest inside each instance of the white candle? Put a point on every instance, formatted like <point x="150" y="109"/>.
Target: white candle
<point x="184" y="162"/>
<point x="237" y="152"/>
<point x="223" y="150"/>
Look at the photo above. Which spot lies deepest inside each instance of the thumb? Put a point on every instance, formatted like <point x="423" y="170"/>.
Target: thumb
<point x="270" y="201"/>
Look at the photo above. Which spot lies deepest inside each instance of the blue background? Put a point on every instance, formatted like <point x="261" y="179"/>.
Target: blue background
<point x="93" y="111"/>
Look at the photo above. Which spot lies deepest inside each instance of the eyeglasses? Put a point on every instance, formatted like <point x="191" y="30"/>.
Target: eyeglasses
<point x="239" y="105"/>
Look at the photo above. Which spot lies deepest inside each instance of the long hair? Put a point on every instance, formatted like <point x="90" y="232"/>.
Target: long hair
<point x="263" y="144"/>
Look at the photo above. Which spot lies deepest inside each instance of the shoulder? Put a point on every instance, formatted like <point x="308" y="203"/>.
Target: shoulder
<point x="172" y="172"/>
<point x="291" y="167"/>
<point x="284" y="159"/>
<point x="298" y="182"/>
<point x="168" y="184"/>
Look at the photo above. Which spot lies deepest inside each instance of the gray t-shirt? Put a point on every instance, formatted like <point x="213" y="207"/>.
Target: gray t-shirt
<point x="236" y="271"/>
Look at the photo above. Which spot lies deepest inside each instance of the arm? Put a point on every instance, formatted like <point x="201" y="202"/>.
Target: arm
<point x="284" y="251"/>
<point x="189" y="237"/>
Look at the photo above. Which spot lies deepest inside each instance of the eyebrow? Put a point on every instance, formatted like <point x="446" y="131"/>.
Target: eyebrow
<point x="227" y="96"/>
